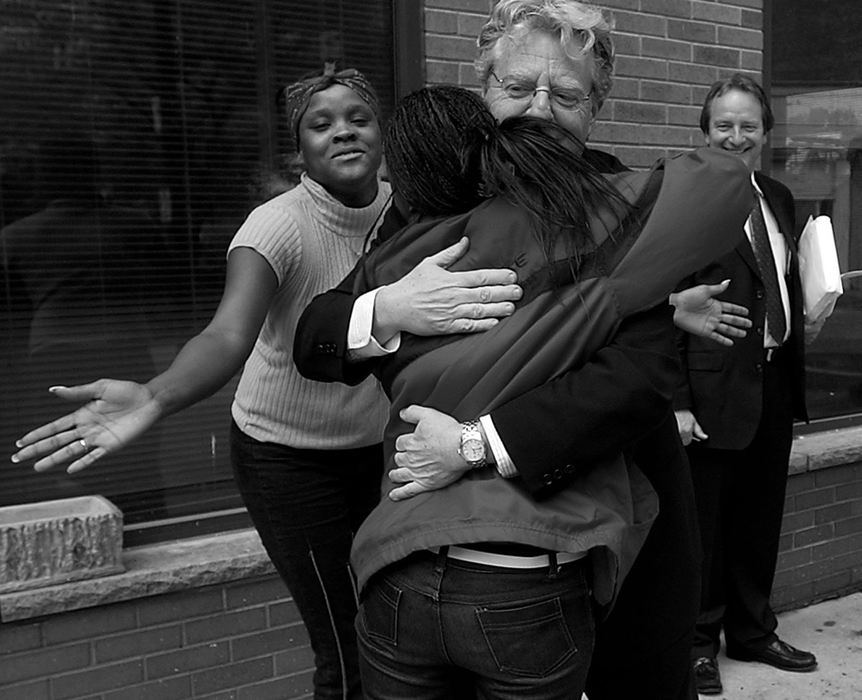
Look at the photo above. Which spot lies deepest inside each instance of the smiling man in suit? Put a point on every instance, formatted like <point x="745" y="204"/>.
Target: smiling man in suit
<point x="736" y="405"/>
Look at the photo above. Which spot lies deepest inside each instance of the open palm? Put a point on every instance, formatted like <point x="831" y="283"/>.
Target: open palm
<point x="115" y="413"/>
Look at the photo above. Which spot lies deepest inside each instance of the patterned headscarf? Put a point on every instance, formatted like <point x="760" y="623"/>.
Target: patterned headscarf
<point x="298" y="95"/>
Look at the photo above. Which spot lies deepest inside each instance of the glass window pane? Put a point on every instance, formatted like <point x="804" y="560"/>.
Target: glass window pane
<point x="817" y="153"/>
<point x="135" y="136"/>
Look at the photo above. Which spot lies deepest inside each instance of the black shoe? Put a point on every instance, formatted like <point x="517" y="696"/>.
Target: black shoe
<point x="706" y="675"/>
<point x="779" y="654"/>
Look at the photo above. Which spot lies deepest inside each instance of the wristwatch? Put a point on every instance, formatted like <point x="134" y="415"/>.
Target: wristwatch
<point x="472" y="448"/>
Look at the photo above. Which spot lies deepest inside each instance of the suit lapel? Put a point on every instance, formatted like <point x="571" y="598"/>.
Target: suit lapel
<point x="776" y="206"/>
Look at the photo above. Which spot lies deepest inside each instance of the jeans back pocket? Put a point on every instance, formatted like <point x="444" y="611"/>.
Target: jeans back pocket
<point x="379" y="611"/>
<point x="531" y="639"/>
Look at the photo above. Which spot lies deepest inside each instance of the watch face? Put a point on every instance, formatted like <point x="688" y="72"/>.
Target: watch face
<point x="473" y="450"/>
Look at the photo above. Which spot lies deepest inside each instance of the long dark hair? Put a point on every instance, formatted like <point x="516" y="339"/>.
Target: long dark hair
<point x="445" y="153"/>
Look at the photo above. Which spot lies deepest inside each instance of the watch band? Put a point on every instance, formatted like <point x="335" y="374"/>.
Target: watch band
<point x="470" y="432"/>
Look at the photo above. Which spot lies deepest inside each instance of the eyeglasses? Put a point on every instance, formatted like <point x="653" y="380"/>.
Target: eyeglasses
<point x="524" y="91"/>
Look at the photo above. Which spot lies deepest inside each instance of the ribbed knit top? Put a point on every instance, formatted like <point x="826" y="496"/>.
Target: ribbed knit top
<point x="311" y="241"/>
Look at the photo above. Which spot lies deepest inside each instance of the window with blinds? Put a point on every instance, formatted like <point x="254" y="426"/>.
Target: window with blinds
<point x="815" y="150"/>
<point x="135" y="136"/>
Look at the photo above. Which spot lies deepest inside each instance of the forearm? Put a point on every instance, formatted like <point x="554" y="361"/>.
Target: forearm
<point x="203" y="366"/>
<point x="587" y="414"/>
<point x="320" y="347"/>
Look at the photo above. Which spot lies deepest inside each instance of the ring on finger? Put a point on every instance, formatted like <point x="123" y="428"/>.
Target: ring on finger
<point x="83" y="443"/>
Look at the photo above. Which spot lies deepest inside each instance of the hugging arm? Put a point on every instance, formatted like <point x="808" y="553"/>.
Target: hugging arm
<point x="428" y="300"/>
<point x="610" y="403"/>
<point x="564" y="425"/>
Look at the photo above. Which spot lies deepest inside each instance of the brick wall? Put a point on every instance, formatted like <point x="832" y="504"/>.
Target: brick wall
<point x="821" y="543"/>
<point x="668" y="53"/>
<point x="243" y="641"/>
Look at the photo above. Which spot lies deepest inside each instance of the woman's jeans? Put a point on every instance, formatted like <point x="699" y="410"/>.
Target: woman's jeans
<point x="429" y="625"/>
<point x="306" y="505"/>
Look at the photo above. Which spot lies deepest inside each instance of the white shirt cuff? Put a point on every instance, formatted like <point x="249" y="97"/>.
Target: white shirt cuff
<point x="360" y="343"/>
<point x="505" y="466"/>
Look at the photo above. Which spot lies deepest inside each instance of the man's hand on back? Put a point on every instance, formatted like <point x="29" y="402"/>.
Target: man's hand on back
<point x="430" y="300"/>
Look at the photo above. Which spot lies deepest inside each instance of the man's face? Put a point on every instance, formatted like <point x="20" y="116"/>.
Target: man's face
<point x="536" y="61"/>
<point x="736" y="125"/>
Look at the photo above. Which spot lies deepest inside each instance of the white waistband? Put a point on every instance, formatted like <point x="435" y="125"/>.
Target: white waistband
<point x="508" y="561"/>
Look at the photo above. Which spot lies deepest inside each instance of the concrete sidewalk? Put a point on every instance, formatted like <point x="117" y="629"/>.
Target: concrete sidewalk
<point x="833" y="631"/>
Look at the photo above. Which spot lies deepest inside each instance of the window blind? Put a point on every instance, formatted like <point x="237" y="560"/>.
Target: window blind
<point x="135" y="136"/>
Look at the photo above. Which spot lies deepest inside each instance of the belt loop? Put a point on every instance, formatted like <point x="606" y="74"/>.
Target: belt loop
<point x="553" y="566"/>
<point x="440" y="562"/>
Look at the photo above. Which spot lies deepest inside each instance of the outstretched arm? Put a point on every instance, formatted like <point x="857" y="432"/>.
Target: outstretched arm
<point x="117" y="412"/>
<point x="698" y="311"/>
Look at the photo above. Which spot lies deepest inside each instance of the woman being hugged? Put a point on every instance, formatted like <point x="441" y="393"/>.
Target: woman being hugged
<point x="593" y="254"/>
<point x="306" y="456"/>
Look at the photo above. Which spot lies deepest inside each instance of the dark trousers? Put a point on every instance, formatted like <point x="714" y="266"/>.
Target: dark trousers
<point x="306" y="505"/>
<point x="432" y="628"/>
<point x="642" y="648"/>
<point x="740" y="501"/>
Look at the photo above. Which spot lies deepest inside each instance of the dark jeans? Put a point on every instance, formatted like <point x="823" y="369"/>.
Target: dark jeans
<point x="428" y="625"/>
<point x="306" y="505"/>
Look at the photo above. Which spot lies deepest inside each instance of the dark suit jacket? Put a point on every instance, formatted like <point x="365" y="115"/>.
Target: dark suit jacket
<point x="550" y="432"/>
<point x="723" y="386"/>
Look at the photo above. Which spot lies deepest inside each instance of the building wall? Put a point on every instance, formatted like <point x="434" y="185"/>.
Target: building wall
<point x="668" y="53"/>
<point x="820" y="551"/>
<point x="243" y="639"/>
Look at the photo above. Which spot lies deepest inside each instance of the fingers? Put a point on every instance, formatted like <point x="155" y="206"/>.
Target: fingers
<point x="412" y="414"/>
<point x="400" y="475"/>
<point x="450" y="255"/>
<point x="81" y="392"/>
<point x="732" y="331"/>
<point x="733" y="309"/>
<point x="86" y="460"/>
<point x="468" y="318"/>
<point x="717" y="337"/>
<point x="736" y="325"/>
<point x="409" y="490"/>
<point x="60" y="447"/>
<point x="713" y="289"/>
<point x="484" y="309"/>
<point x="500" y="280"/>
<point x="53" y="430"/>
<point x="475" y="318"/>
<point x="734" y="315"/>
<point x="697" y="433"/>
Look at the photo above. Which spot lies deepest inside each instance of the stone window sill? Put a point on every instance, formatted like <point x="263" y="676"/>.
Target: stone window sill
<point x="829" y="448"/>
<point x="167" y="567"/>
